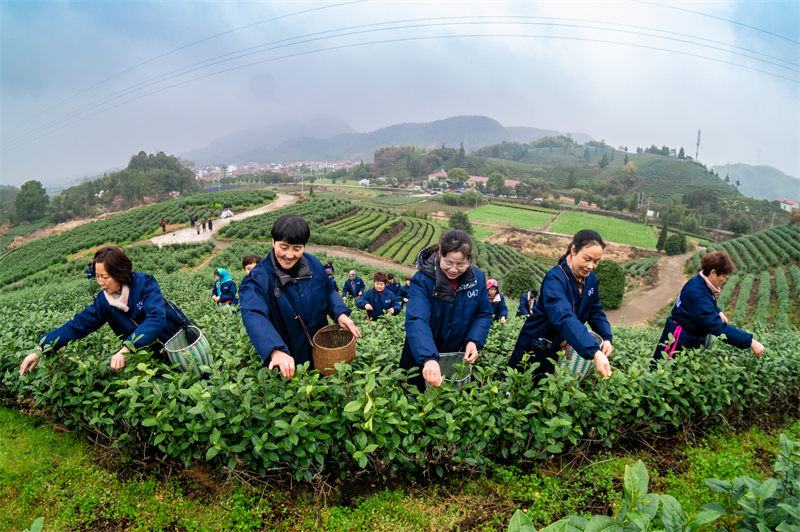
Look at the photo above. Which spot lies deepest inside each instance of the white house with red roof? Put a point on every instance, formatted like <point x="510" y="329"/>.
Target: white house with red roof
<point x="788" y="204"/>
<point x="474" y="179"/>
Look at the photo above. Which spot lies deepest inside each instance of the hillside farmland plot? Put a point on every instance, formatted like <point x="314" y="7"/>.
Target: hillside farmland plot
<point x="610" y="229"/>
<point x="495" y="214"/>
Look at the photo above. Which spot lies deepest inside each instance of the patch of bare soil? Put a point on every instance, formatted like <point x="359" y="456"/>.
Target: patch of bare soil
<point x="553" y="246"/>
<point x="385" y="237"/>
<point x="60" y="228"/>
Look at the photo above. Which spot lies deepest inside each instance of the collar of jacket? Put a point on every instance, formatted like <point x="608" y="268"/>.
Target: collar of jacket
<point x="283" y="278"/>
<point x="573" y="283"/>
<point x="428" y="263"/>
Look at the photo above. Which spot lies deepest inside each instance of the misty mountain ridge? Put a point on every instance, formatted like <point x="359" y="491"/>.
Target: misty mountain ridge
<point x="761" y="182"/>
<point x="322" y="141"/>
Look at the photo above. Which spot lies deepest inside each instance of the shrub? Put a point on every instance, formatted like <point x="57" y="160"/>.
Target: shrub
<point x="519" y="280"/>
<point x="460" y="220"/>
<point x="673" y="244"/>
<point x="611" y="281"/>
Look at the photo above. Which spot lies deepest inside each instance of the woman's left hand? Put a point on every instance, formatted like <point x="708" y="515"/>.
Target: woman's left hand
<point x="607" y="348"/>
<point x="471" y="352"/>
<point x="345" y="322"/>
<point x="723" y="317"/>
<point x="601" y="364"/>
<point x="502" y="319"/>
<point x="215" y="298"/>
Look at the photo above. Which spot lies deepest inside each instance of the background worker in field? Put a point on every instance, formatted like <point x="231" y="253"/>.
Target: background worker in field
<point x="379" y="299"/>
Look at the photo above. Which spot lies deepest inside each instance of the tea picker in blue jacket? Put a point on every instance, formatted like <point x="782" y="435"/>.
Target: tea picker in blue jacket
<point x="379" y="299"/>
<point x="448" y="308"/>
<point x="569" y="298"/>
<point x="696" y="316"/>
<point x="527" y="302"/>
<point x="499" y="308"/>
<point x="130" y="302"/>
<point x="353" y="286"/>
<point x="287" y="298"/>
<point x="332" y="279"/>
<point x="224" y="290"/>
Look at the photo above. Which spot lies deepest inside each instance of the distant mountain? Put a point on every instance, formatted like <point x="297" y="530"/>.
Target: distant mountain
<point x="250" y="145"/>
<point x="761" y="182"/>
<point x="473" y="131"/>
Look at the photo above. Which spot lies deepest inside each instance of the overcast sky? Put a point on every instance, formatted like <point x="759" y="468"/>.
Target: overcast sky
<point x="85" y="85"/>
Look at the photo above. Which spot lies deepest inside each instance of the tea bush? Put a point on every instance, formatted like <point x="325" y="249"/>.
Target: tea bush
<point x="245" y="416"/>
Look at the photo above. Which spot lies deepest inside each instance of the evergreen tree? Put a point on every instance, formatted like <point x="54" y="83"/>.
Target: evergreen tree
<point x="662" y="237"/>
<point x="460" y="220"/>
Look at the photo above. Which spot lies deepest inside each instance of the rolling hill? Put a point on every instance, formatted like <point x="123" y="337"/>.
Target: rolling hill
<point x="761" y="182"/>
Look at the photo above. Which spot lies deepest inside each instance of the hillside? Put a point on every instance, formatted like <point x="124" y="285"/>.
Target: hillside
<point x="323" y="143"/>
<point x="761" y="182"/>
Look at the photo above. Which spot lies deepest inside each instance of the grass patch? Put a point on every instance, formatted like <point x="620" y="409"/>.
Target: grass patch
<point x="611" y="229"/>
<point x="22" y="230"/>
<point x="496" y="214"/>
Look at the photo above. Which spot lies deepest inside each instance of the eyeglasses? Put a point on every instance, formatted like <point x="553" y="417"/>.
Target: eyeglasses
<point x="447" y="265"/>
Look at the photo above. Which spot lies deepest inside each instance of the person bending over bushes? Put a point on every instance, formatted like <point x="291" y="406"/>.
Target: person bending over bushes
<point x="224" y="289"/>
<point x="569" y="299"/>
<point x="696" y="318"/>
<point x="130" y="302"/>
<point x="527" y="302"/>
<point x="353" y="286"/>
<point x="287" y="298"/>
<point x="379" y="299"/>
<point x="499" y="308"/>
<point x="448" y="308"/>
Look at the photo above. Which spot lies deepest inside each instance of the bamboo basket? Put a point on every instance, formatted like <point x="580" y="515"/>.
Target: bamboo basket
<point x="331" y="345"/>
<point x="191" y="352"/>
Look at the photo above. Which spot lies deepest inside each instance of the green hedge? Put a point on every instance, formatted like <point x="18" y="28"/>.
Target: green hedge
<point x="611" y="283"/>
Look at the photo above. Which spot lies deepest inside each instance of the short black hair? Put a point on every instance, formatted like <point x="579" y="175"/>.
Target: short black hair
<point x="292" y="229"/>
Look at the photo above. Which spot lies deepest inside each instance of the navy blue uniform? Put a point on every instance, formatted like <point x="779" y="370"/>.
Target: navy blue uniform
<point x="560" y="314"/>
<point x="149" y="318"/>
<point x="499" y="308"/>
<point x="439" y="320"/>
<point x="694" y="317"/>
<point x="271" y="298"/>
<point x="227" y="292"/>
<point x="353" y="287"/>
<point x="394" y="287"/>
<point x="332" y="279"/>
<point x="525" y="305"/>
<point x="380" y="302"/>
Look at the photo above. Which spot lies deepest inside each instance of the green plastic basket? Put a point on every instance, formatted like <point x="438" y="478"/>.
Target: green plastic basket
<point x="576" y="364"/>
<point x="453" y="365"/>
<point x="189" y="356"/>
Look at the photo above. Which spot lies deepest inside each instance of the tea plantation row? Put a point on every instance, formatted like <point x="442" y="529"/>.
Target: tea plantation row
<point x="245" y="416"/>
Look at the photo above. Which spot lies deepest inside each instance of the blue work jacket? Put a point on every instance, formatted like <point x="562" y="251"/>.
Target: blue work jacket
<point x="149" y="317"/>
<point x="353" y="287"/>
<point x="332" y="279"/>
<point x="380" y="302"/>
<point x="560" y="314"/>
<point x="696" y="311"/>
<point x="271" y="299"/>
<point x="403" y="291"/>
<point x="439" y="320"/>
<point x="394" y="288"/>
<point x="525" y="306"/>
<point x="227" y="292"/>
<point x="499" y="308"/>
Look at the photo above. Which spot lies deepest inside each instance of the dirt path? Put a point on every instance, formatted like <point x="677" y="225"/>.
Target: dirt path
<point x="360" y="256"/>
<point x="189" y="235"/>
<point x="642" y="305"/>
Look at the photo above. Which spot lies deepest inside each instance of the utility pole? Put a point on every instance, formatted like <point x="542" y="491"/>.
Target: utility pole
<point x="697" y="152"/>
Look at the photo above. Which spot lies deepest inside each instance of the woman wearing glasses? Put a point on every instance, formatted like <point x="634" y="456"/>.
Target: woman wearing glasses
<point x="569" y="298"/>
<point x="448" y="308"/>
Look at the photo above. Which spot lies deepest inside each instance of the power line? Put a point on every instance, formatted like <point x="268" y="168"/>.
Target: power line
<point x="405" y="39"/>
<point x="184" y="47"/>
<point x="324" y="35"/>
<point x="719" y="18"/>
